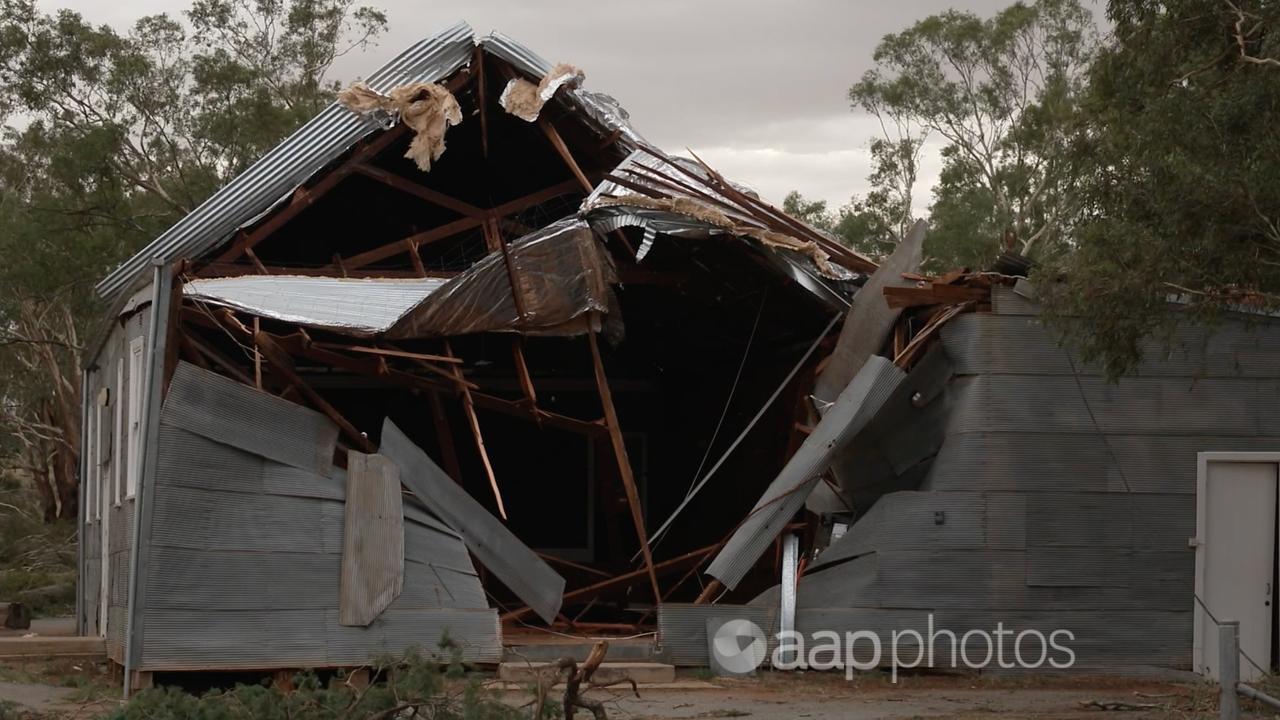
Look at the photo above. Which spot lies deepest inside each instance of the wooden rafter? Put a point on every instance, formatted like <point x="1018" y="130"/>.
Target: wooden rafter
<point x="469" y="406"/>
<point x="511" y="207"/>
<point x="494" y="240"/>
<point x="624" y="580"/>
<point x="392" y="352"/>
<point x="217" y="358"/>
<point x="410" y="243"/>
<point x="304" y="198"/>
<point x="478" y="61"/>
<point x="418" y="190"/>
<point x="624" y="463"/>
<point x="444" y="434"/>
<point x="558" y="143"/>
<point x="283" y="364"/>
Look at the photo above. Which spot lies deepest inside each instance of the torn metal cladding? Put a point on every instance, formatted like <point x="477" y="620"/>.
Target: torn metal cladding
<point x="653" y="186"/>
<point x="602" y="109"/>
<point x="786" y="495"/>
<point x="348" y="305"/>
<point x="563" y="273"/>
<point x="518" y="567"/>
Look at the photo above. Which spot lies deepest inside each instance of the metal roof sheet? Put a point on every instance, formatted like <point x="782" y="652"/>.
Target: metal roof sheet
<point x="351" y="305"/>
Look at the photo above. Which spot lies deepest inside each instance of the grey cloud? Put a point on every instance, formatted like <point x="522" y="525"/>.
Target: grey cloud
<point x="759" y="84"/>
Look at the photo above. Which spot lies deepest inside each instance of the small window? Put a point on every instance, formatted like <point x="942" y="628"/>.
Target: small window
<point x="137" y="394"/>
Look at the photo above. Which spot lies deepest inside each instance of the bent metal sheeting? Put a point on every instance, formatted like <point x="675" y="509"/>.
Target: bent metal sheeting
<point x="564" y="275"/>
<point x="356" y="306"/>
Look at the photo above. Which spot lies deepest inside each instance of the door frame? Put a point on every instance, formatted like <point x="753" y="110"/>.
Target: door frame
<point x="1202" y="481"/>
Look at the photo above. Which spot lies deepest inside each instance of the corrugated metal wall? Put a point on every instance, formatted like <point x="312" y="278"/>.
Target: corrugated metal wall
<point x="1056" y="500"/>
<point x="246" y="546"/>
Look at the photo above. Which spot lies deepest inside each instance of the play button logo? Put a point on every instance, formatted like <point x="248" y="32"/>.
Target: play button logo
<point x="738" y="647"/>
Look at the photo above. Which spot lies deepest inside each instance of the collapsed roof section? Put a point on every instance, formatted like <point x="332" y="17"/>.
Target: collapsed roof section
<point x="468" y="196"/>
<point x="285" y="181"/>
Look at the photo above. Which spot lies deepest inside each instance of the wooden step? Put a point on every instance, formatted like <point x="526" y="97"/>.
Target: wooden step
<point x="52" y="646"/>
<point x="639" y="651"/>
<point x="643" y="673"/>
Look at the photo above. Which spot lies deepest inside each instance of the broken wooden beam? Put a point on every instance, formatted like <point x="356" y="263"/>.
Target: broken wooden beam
<point x="932" y="294"/>
<point x="558" y="143"/>
<point x="283" y="363"/>
<point x="626" y="579"/>
<point x="469" y="407"/>
<point x="478" y="61"/>
<point x="624" y="463"/>
<point x="444" y="435"/>
<point x="392" y="352"/>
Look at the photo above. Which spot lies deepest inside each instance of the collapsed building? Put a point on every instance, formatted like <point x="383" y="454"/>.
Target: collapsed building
<point x="466" y="356"/>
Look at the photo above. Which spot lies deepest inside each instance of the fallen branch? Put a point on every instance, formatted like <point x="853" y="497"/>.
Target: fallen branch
<point x="576" y="674"/>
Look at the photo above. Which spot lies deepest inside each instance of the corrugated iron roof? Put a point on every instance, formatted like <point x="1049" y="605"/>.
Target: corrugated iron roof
<point x="351" y="305"/>
<point x="290" y="163"/>
<point x="277" y="174"/>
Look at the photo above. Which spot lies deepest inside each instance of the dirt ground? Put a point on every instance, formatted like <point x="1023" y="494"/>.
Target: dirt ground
<point x="828" y="696"/>
<point x="70" y="690"/>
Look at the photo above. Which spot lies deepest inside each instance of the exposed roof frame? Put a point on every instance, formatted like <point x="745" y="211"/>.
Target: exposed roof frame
<point x="286" y="166"/>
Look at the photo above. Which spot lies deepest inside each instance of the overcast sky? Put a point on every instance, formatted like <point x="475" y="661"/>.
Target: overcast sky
<point x="755" y="87"/>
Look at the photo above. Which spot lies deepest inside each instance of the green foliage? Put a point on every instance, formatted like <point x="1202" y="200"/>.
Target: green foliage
<point x="110" y="137"/>
<point x="36" y="556"/>
<point x="414" y="682"/>
<point x="1179" y="175"/>
<point x="1003" y="93"/>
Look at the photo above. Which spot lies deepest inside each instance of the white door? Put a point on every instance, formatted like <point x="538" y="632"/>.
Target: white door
<point x="1235" y="558"/>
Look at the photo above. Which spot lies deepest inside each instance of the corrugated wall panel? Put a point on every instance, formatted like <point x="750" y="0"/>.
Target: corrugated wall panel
<point x="985" y="344"/>
<point x="240" y="580"/>
<point x="235" y="414"/>
<point x="199" y="462"/>
<point x="1047" y="462"/>
<point x="117" y="628"/>
<point x="1004" y="301"/>
<point x="1096" y="520"/>
<point x="1088" y="489"/>
<point x="191" y="518"/>
<point x="1006" y="521"/>
<point x="1079" y="567"/>
<point x="257" y="639"/>
<point x="1150" y="406"/>
<point x="914" y="520"/>
<point x="682" y="628"/>
<point x="246" y="551"/>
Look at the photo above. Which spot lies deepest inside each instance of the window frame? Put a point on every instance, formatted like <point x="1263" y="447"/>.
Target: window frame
<point x="137" y="384"/>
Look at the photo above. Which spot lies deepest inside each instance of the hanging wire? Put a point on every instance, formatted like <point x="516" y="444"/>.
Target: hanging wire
<point x="746" y="352"/>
